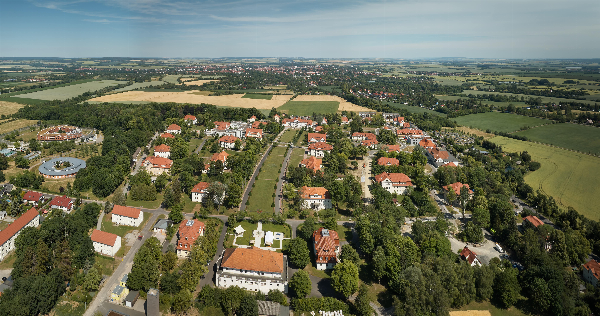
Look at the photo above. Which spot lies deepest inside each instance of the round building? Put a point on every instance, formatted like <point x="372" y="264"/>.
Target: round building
<point x="61" y="167"/>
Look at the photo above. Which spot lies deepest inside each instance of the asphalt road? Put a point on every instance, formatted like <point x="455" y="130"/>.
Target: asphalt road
<point x="208" y="278"/>
<point x="200" y="147"/>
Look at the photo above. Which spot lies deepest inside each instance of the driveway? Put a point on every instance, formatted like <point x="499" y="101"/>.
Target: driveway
<point x="485" y="251"/>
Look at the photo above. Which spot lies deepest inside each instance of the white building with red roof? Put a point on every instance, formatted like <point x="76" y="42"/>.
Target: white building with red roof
<point x="252" y="119"/>
<point x="316" y="138"/>
<point x="227" y="141"/>
<point x="33" y="197"/>
<point x="167" y="135"/>
<point x="319" y="149"/>
<point x="316" y="198"/>
<point x="311" y="163"/>
<point x="200" y="191"/>
<point x="326" y="245"/>
<point x="189" y="231"/>
<point x="345" y="120"/>
<point x="254" y="133"/>
<point x="456" y="187"/>
<point x="8" y="236"/>
<point x="105" y="243"/>
<point x="591" y="272"/>
<point x="394" y="182"/>
<point x="162" y="150"/>
<point x="156" y="166"/>
<point x="533" y="220"/>
<point x="173" y="129"/>
<point x="190" y="119"/>
<point x="385" y="161"/>
<point x="128" y="216"/>
<point x="253" y="269"/>
<point x="470" y="256"/>
<point x="297" y="122"/>
<point x="62" y="203"/>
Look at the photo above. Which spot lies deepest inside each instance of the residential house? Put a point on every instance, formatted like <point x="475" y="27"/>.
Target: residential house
<point x="162" y="225"/>
<point x="356" y="136"/>
<point x="189" y="231"/>
<point x="413" y="140"/>
<point x="470" y="256"/>
<point x="324" y="121"/>
<point x="316" y="198"/>
<point x="200" y="191"/>
<point x="438" y="156"/>
<point x="252" y="119"/>
<point x="167" y="135"/>
<point x="105" y="243"/>
<point x="319" y="149"/>
<point x="33" y="197"/>
<point x="258" y="124"/>
<point x="391" y="148"/>
<point x="62" y="203"/>
<point x="297" y="122"/>
<point x="326" y="245"/>
<point x="366" y="114"/>
<point x="533" y="220"/>
<point x="370" y="143"/>
<point x="276" y="118"/>
<point x="409" y="132"/>
<point x="385" y="161"/>
<point x="254" y="133"/>
<point x="120" y="291"/>
<point x="156" y="166"/>
<point x="345" y="120"/>
<point x="8" y="236"/>
<point x="173" y="129"/>
<point x="319" y="129"/>
<point x="394" y="182"/>
<point x="316" y="138"/>
<point x="311" y="163"/>
<point x="427" y="143"/>
<point x="222" y="157"/>
<point x="456" y="187"/>
<point x="222" y="125"/>
<point x="398" y="121"/>
<point x="128" y="216"/>
<point x="591" y="272"/>
<point x="190" y="119"/>
<point x="253" y="269"/>
<point x="227" y="142"/>
<point x="389" y="117"/>
<point x="163" y="151"/>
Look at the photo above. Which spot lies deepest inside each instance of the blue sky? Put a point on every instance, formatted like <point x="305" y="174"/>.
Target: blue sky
<point x="328" y="28"/>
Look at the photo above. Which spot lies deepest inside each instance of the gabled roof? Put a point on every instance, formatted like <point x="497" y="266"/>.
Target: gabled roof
<point x="385" y="161"/>
<point x="409" y="131"/>
<point x="61" y="201"/>
<point x="257" y="124"/>
<point x="311" y="163"/>
<point x="456" y="186"/>
<point x="162" y="148"/>
<point x="228" y="139"/>
<point x="318" y="128"/>
<point x="167" y="135"/>
<point x="174" y="127"/>
<point x="398" y="179"/>
<point x="451" y="164"/>
<point x="468" y="255"/>
<point x="104" y="237"/>
<point x="189" y="118"/>
<point x="200" y="187"/>
<point x="159" y="162"/>
<point x="253" y="259"/>
<point x="222" y="156"/>
<point x="221" y="125"/>
<point x="126" y="211"/>
<point x="307" y="193"/>
<point x="320" y="146"/>
<point x="318" y="137"/>
<point x="32" y="196"/>
<point x="188" y="232"/>
<point x="438" y="153"/>
<point x="369" y="142"/>
<point x="17" y="225"/>
<point x="391" y="148"/>
<point x="427" y="143"/>
<point x="254" y="131"/>
<point x="533" y="220"/>
<point x="325" y="241"/>
<point x="593" y="267"/>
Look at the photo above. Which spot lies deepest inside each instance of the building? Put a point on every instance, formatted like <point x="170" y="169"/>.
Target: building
<point x="345" y="120"/>
<point x="162" y="225"/>
<point x="276" y="118"/>
<point x="316" y="138"/>
<point x="62" y="167"/>
<point x="356" y="136"/>
<point x="59" y="133"/>
<point x="409" y="132"/>
<point x="370" y="143"/>
<point x="120" y="291"/>
<point x="311" y="163"/>
<point x="190" y="119"/>
<point x="385" y="161"/>
<point x="163" y="151"/>
<point x="533" y="220"/>
<point x="228" y="141"/>
<point x="173" y="129"/>
<point x="253" y="269"/>
<point x="326" y="245"/>
<point x="254" y="133"/>
<point x="591" y="272"/>
<point x="167" y="135"/>
<point x="222" y="157"/>
<point x="156" y="166"/>
<point x="252" y="119"/>
<point x="394" y="182"/>
<point x="456" y="187"/>
<point x="8" y="236"/>
<point x="427" y="143"/>
<point x="199" y="192"/>
<point x="391" y="148"/>
<point x="316" y="198"/>
<point x="62" y="203"/>
<point x="297" y="122"/>
<point x="399" y="121"/>
<point x="33" y="197"/>
<point x="319" y="149"/>
<point x="105" y="243"/>
<point x="438" y="156"/>
<point x="189" y="231"/>
<point x="128" y="216"/>
<point x="257" y="124"/>
<point x="152" y="303"/>
<point x="470" y="256"/>
<point x="131" y="298"/>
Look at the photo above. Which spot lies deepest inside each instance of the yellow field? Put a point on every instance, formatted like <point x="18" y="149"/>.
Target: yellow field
<point x="470" y="313"/>
<point x="9" y="127"/>
<point x="8" y="108"/>
<point x="344" y="105"/>
<point x="196" y="97"/>
<point x="196" y="82"/>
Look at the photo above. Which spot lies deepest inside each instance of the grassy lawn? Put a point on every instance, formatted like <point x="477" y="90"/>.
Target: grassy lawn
<point x="105" y="265"/>
<point x="296" y="156"/>
<point x="14" y="125"/>
<point x="108" y="226"/>
<point x="495" y="311"/>
<point x="287" y="136"/>
<point x="258" y="96"/>
<point x="145" y="204"/>
<point x="571" y="178"/>
<point x="500" y="122"/>
<point x="566" y="135"/>
<point x="194" y="143"/>
<point x="307" y="108"/>
<point x="8" y="261"/>
<point x="312" y="270"/>
<point x="264" y="186"/>
<point x="249" y="227"/>
<point x="412" y="109"/>
<point x="3" y="225"/>
<point x="300" y="139"/>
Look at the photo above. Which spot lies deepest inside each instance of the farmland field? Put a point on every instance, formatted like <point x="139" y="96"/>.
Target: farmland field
<point x="258" y="96"/>
<point x="261" y="198"/>
<point x="571" y="136"/>
<point x="412" y="109"/>
<point x="567" y="176"/>
<point x="307" y="108"/>
<point x="343" y="104"/>
<point x="544" y="99"/>
<point x="137" y="85"/>
<point x="500" y="122"/>
<point x="8" y="108"/>
<point x="14" y="125"/>
<point x="63" y="93"/>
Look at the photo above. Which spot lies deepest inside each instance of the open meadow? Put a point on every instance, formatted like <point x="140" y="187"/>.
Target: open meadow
<point x="571" y="178"/>
<point x="582" y="138"/>
<point x="499" y="122"/>
<point x="261" y="197"/>
<point x="140" y="85"/>
<point x="343" y="104"/>
<point x="8" y="108"/>
<point x="67" y="92"/>
<point x="308" y="108"/>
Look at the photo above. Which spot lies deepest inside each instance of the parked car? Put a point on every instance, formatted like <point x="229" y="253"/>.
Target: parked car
<point x="140" y="237"/>
<point x="497" y="247"/>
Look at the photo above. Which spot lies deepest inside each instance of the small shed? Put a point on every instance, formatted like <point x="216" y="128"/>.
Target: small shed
<point x="239" y="231"/>
<point x="131" y="298"/>
<point x="269" y="238"/>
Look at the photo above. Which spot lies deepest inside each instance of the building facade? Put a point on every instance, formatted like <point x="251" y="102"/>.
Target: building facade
<point x="189" y="231"/>
<point x="394" y="182"/>
<point x="326" y="246"/>
<point x="128" y="216"/>
<point x="316" y="198"/>
<point x="8" y="236"/>
<point x="105" y="243"/>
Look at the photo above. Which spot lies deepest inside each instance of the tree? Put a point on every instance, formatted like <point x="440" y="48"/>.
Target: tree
<point x="300" y="283"/>
<point x="179" y="149"/>
<point x="484" y="281"/>
<point x="145" y="271"/>
<point x="248" y="306"/>
<point x="119" y="198"/>
<point x="345" y="278"/>
<point x="168" y="261"/>
<point x="451" y="196"/>
<point x="308" y="228"/>
<point x="182" y="301"/>
<point x="231" y="299"/>
<point x="386" y="137"/>
<point x="349" y="254"/>
<point x="299" y="253"/>
<point x="161" y="182"/>
<point x="92" y="280"/>
<point x="278" y="297"/>
<point x="361" y="304"/>
<point x="176" y="214"/>
<point x="481" y="217"/>
<point x="506" y="287"/>
<point x="21" y="162"/>
<point x="379" y="264"/>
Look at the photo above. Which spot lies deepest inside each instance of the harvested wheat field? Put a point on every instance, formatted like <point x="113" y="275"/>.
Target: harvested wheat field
<point x="344" y="105"/>
<point x="8" y="108"/>
<point x="470" y="313"/>
<point x="197" y="82"/>
<point x="193" y="97"/>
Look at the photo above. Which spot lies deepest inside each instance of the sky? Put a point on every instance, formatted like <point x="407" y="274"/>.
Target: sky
<point x="409" y="29"/>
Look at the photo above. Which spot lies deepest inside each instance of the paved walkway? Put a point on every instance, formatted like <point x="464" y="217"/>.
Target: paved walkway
<point x="99" y="225"/>
<point x="200" y="146"/>
<point x="279" y="191"/>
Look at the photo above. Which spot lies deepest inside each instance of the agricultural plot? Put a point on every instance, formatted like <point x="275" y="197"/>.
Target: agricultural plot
<point x="343" y="104"/>
<point x="412" y="109"/>
<point x="258" y="96"/>
<point x="140" y="85"/>
<point x="261" y="197"/>
<point x="8" y="108"/>
<point x="571" y="178"/>
<point x="499" y="122"/>
<point x="544" y="99"/>
<point x="582" y="138"/>
<point x="67" y="92"/>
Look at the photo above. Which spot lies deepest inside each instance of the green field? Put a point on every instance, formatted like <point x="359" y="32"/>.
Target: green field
<point x="288" y="136"/>
<point x="544" y="99"/>
<point x="307" y="108"/>
<point x="582" y="138"/>
<point x="295" y="158"/>
<point x="264" y="186"/>
<point x="258" y="96"/>
<point x="140" y="85"/>
<point x="499" y="122"/>
<point x="67" y="92"/>
<point x="412" y="109"/>
<point x="571" y="178"/>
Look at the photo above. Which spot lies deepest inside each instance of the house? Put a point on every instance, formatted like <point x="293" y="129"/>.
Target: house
<point x="385" y="161"/>
<point x="190" y="119"/>
<point x="120" y="291"/>
<point x="128" y="216"/>
<point x="319" y="149"/>
<point x="319" y="129"/>
<point x="356" y="136"/>
<point x="167" y="135"/>
<point x="398" y="121"/>
<point x="162" y="225"/>
<point x="394" y="182"/>
<point x="389" y="117"/>
<point x="227" y="142"/>
<point x="276" y="118"/>
<point x="450" y="164"/>
<point x="258" y="124"/>
<point x="345" y="120"/>
<point x="8" y="236"/>
<point x="324" y="121"/>
<point x="316" y="198"/>
<point x="533" y="220"/>
<point x="391" y="148"/>
<point x="427" y="143"/>
<point x="105" y="243"/>
<point x="222" y="157"/>
<point x="413" y="140"/>
<point x="369" y="143"/>
<point x="156" y="166"/>
<point x="591" y="272"/>
<point x="366" y="114"/>
<point x="326" y="245"/>
<point x="470" y="256"/>
<point x="222" y="125"/>
<point x="200" y="191"/>
<point x="163" y="151"/>
<point x="297" y="122"/>
<point x="33" y="197"/>
<point x="252" y="119"/>
<point x="62" y="202"/>
<point x="438" y="156"/>
<point x="253" y="269"/>
<point x="173" y="129"/>
<point x="254" y="133"/>
<point x="409" y="132"/>
<point x="316" y="138"/>
<point x="189" y="231"/>
<point x="456" y="187"/>
<point x="311" y="163"/>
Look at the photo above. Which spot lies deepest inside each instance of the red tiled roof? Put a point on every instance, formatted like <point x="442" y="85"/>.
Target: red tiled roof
<point x="299" y="120"/>
<point x="104" y="237"/>
<point x="317" y="137"/>
<point x="398" y="179"/>
<point x="468" y="255"/>
<point x="228" y="139"/>
<point x="32" y="196"/>
<point x="126" y="211"/>
<point x="344" y="119"/>
<point x="254" y="132"/>
<point x="533" y="220"/>
<point x="189" y="118"/>
<point x="427" y="143"/>
<point x="325" y="245"/>
<point x="409" y="131"/>
<point x="391" y="148"/>
<point x="167" y="135"/>
<point x="320" y="146"/>
<point x="451" y="164"/>
<point x="253" y="259"/>
<point x="456" y="186"/>
<point x="311" y="163"/>
<point x="200" y="187"/>
<point x="187" y="234"/>
<point x="369" y="142"/>
<point x="385" y="161"/>
<point x="593" y="267"/>
<point x="222" y="125"/>
<point x="162" y="148"/>
<point x="307" y="193"/>
<point x="438" y="153"/>
<point x="173" y="127"/>
<point x="159" y="162"/>
<point x="62" y="201"/>
<point x="222" y="156"/>
<point x="17" y="225"/>
<point x="257" y="124"/>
